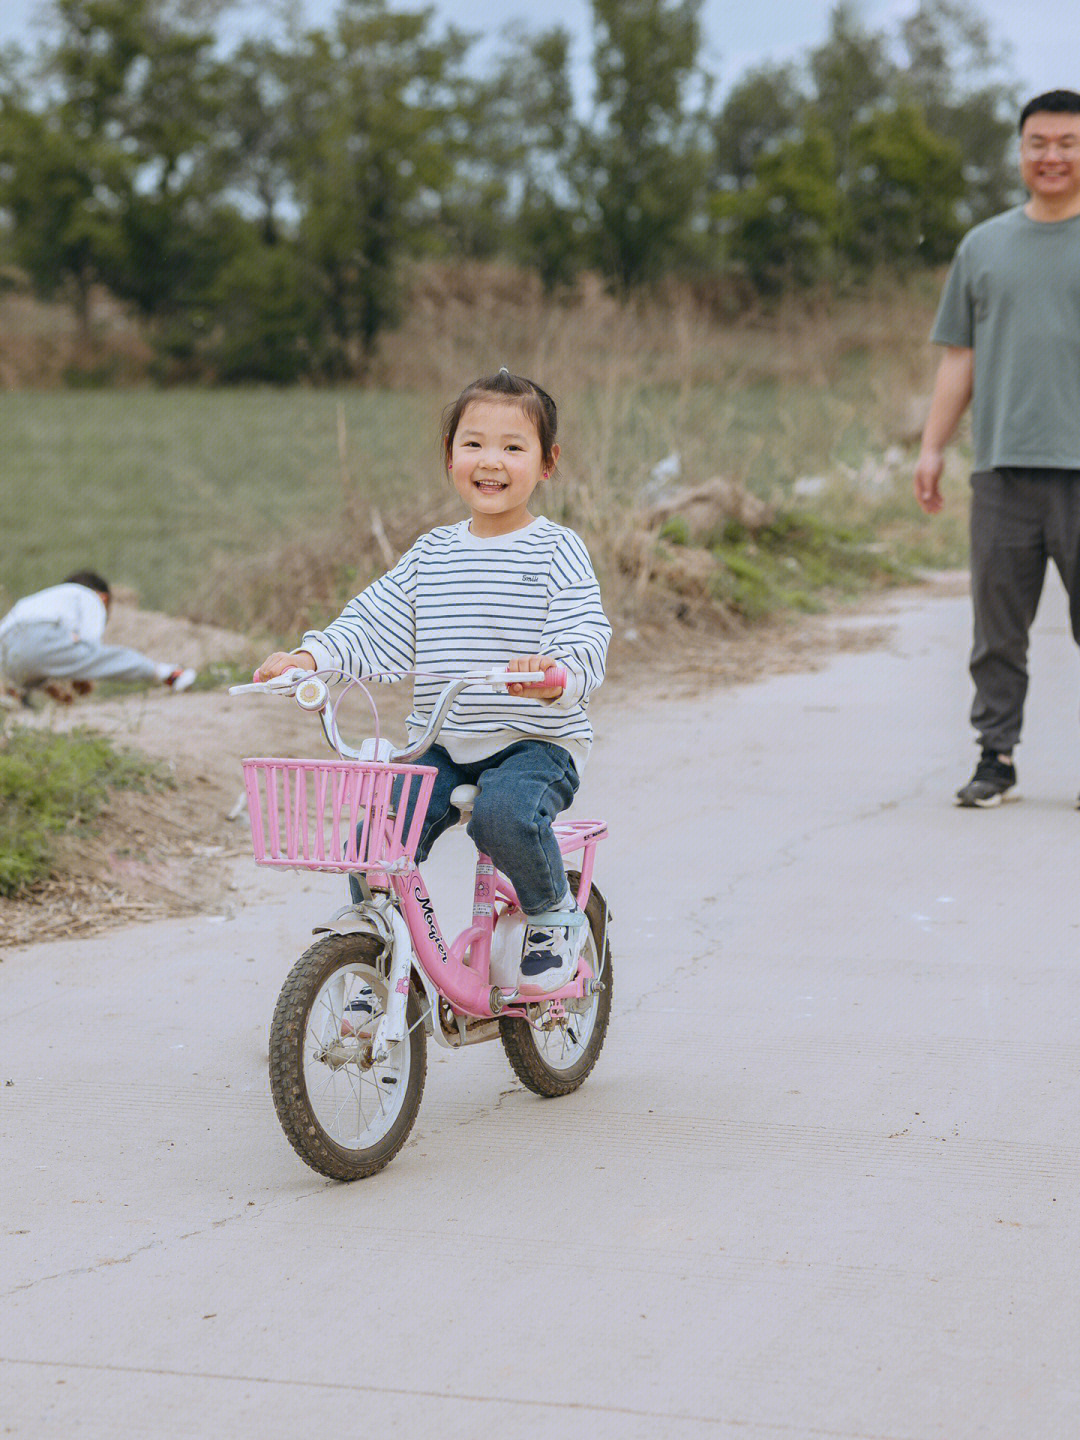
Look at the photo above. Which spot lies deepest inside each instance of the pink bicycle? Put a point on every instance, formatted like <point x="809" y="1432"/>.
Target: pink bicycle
<point x="348" y="1055"/>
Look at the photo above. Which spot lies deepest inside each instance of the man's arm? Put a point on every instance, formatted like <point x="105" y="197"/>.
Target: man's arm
<point x="952" y="392"/>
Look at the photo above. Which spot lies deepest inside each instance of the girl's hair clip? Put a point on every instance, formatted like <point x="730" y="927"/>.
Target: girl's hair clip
<point x="503" y="370"/>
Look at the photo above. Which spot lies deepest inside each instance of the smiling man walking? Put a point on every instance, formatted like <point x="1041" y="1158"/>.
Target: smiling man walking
<point x="1010" y="321"/>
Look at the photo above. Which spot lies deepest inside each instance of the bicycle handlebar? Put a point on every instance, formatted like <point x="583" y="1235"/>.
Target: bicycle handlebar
<point x="283" y="684"/>
<point x="311" y="693"/>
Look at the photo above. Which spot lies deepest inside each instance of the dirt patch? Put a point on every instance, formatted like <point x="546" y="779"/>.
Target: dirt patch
<point x="168" y="854"/>
<point x="147" y="861"/>
<point x="175" y="640"/>
<point x="648" y="662"/>
<point x="688" y="659"/>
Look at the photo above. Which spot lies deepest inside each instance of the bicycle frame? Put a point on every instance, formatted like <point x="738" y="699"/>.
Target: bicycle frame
<point x="459" y="972"/>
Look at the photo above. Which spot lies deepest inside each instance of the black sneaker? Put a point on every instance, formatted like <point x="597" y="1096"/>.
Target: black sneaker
<point x="992" y="781"/>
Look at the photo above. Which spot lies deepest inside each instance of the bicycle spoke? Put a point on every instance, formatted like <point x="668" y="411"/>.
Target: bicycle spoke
<point x="344" y="1116"/>
<point x="356" y="1105"/>
<point x="335" y="1125"/>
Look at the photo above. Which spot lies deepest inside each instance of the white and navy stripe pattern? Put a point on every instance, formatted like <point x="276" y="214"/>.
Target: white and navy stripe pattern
<point x="456" y="602"/>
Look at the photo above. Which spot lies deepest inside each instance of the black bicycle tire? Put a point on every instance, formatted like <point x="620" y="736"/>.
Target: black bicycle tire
<point x="287" y="1032"/>
<point x="519" y="1039"/>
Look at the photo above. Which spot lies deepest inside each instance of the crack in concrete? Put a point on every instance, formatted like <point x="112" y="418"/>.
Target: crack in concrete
<point x="85" y="1269"/>
<point x="254" y="1210"/>
<point x="548" y="1402"/>
<point x="483" y="1111"/>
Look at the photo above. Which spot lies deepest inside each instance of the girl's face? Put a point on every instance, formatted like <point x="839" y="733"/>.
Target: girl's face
<point x="496" y="464"/>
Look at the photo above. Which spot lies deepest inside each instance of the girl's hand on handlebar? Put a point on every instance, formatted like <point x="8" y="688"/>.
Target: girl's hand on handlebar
<point x="534" y="663"/>
<point x="277" y="664"/>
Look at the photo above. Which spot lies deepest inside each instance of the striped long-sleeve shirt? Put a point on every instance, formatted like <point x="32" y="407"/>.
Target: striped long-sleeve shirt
<point x="457" y="602"/>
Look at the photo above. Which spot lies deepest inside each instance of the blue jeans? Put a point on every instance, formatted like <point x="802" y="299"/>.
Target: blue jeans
<point x="522" y="790"/>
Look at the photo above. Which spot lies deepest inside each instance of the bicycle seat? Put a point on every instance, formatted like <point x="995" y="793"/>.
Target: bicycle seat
<point x="462" y="797"/>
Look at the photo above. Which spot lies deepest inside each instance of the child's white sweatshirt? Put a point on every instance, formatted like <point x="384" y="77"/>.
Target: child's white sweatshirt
<point x="456" y="602"/>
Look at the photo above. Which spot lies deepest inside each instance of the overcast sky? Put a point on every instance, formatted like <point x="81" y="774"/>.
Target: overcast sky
<point x="1044" y="34"/>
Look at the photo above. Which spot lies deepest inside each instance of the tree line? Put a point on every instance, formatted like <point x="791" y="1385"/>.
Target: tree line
<point x="258" y="204"/>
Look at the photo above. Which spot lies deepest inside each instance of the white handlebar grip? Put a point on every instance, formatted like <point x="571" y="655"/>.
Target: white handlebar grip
<point x="284" y="684"/>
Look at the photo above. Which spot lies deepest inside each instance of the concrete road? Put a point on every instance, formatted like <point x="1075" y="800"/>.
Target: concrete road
<point x="823" y="1182"/>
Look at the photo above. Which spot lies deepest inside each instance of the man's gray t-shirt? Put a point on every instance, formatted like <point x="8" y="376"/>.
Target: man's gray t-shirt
<point x="1013" y="295"/>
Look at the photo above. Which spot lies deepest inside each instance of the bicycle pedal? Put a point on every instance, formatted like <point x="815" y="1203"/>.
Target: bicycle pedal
<point x="499" y="999"/>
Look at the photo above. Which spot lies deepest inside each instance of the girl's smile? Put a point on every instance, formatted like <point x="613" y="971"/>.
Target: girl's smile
<point x="496" y="463"/>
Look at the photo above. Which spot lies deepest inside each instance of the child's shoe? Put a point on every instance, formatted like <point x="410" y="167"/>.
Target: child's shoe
<point x="178" y="679"/>
<point x="507" y="946"/>
<point x="358" y="1013"/>
<point x="549" y="958"/>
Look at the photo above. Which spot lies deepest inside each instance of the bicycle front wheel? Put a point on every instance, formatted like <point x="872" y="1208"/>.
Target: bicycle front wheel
<point x="345" y="1116"/>
<point x="556" y="1057"/>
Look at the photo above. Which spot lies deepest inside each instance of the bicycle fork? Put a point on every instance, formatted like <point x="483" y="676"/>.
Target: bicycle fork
<point x="390" y="1030"/>
<point x="379" y="917"/>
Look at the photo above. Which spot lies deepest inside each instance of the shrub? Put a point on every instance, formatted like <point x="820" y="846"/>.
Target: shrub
<point x="52" y="784"/>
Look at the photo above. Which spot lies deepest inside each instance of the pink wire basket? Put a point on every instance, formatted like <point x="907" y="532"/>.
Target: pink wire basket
<point x="335" y="815"/>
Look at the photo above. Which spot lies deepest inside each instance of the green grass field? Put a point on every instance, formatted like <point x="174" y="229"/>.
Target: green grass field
<point x="148" y="486"/>
<point x="157" y="488"/>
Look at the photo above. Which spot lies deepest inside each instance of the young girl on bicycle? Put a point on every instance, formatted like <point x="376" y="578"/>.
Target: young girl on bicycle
<point x="502" y="587"/>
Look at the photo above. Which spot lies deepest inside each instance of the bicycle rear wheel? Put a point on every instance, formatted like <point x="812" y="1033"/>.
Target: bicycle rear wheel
<point x="343" y="1115"/>
<point x="556" y="1059"/>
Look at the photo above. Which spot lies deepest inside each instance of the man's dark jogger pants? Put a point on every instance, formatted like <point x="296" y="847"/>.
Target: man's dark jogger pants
<point x="1020" y="519"/>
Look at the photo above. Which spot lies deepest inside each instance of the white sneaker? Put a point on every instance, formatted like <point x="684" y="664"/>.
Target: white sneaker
<point x="549" y="958"/>
<point x="178" y="679"/>
<point x="507" y="945"/>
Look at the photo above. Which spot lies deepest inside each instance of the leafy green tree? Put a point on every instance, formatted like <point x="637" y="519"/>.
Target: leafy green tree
<point x="375" y="142"/>
<point x="643" y="160"/>
<point x="259" y="208"/>
<point x="917" y="147"/>
<point x="851" y="75"/>
<point x="266" y="322"/>
<point x="515" y="190"/>
<point x="783" y="229"/>
<point x="547" y="229"/>
<point x="55" y="189"/>
<point x="104" y="175"/>
<point x="953" y="70"/>
<point x="256" y="142"/>
<point x="160" y="99"/>
<point x="764" y="107"/>
<point x="905" y="193"/>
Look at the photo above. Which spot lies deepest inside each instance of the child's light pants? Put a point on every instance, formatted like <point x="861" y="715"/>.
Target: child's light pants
<point x="42" y="650"/>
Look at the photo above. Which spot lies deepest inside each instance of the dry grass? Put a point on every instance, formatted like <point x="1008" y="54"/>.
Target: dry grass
<point x="828" y="386"/>
<point x="680" y="334"/>
<point x="41" y="347"/>
<point x="279" y="504"/>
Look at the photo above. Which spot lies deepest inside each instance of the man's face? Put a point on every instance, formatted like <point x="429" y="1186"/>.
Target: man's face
<point x="1050" y="157"/>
